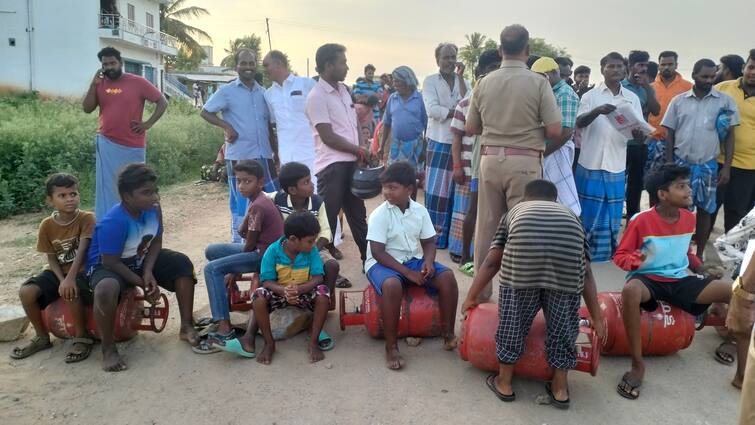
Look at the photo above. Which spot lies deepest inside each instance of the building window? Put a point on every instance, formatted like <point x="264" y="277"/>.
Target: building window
<point x="133" y="67"/>
<point x="150" y="21"/>
<point x="131" y="12"/>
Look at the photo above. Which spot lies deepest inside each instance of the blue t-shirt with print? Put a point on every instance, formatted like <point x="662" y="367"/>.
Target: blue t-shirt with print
<point x="120" y="234"/>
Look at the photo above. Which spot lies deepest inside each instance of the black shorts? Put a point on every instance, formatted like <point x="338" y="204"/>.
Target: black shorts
<point x="48" y="285"/>
<point x="169" y="267"/>
<point x="681" y="293"/>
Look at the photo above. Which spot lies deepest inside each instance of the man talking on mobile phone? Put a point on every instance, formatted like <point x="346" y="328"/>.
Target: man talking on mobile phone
<point x="120" y="138"/>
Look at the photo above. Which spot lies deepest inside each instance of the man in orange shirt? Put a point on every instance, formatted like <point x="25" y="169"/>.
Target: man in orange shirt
<point x="667" y="85"/>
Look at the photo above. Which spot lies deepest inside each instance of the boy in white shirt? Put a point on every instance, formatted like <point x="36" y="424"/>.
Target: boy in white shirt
<point x="401" y="251"/>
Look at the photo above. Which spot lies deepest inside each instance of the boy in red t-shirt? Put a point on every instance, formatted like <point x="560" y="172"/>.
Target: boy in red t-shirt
<point x="655" y="250"/>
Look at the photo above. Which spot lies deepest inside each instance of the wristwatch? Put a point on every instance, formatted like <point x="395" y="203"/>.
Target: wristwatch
<point x="738" y="290"/>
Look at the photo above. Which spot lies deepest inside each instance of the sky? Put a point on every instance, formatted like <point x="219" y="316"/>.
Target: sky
<point x="391" y="33"/>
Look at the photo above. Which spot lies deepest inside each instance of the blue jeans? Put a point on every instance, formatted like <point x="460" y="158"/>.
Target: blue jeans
<point x="225" y="258"/>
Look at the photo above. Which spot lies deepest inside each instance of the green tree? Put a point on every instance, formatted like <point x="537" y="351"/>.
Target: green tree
<point x="184" y="60"/>
<point x="171" y="22"/>
<point x="470" y="53"/>
<point x="251" y="42"/>
<point x="538" y="46"/>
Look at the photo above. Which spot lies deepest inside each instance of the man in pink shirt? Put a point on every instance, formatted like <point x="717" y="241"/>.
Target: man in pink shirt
<point x="120" y="138"/>
<point x="338" y="147"/>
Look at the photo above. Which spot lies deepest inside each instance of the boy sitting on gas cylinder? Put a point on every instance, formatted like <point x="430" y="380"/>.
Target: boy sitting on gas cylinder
<point x="401" y="251"/>
<point x="655" y="250"/>
<point x="126" y="251"/>
<point x="291" y="274"/>
<point x="64" y="237"/>
<point x="542" y="259"/>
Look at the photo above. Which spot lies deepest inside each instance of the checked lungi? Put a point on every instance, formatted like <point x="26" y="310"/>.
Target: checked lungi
<point x="238" y="203"/>
<point x="439" y="186"/>
<point x="601" y="195"/>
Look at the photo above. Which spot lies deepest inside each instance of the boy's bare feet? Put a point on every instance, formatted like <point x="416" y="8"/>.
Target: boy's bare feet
<point x="737" y="382"/>
<point x="450" y="342"/>
<point x="266" y="355"/>
<point x="111" y="361"/>
<point x="315" y="354"/>
<point x="393" y="359"/>
<point x="189" y="334"/>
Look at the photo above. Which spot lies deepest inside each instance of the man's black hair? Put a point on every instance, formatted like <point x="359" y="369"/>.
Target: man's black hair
<point x="327" y="53"/>
<point x="239" y="52"/>
<point x="441" y="46"/>
<point x="514" y="39"/>
<point x="372" y="100"/>
<point x="637" y="56"/>
<point x="369" y="66"/>
<point x="279" y="57"/>
<point x="734" y="63"/>
<point x="110" y="52"/>
<point x="400" y="172"/>
<point x="582" y="69"/>
<point x="704" y="63"/>
<point x="752" y="55"/>
<point x="251" y="167"/>
<point x="531" y="60"/>
<point x="668" y="54"/>
<point x="661" y="178"/>
<point x="611" y="56"/>
<point x="301" y="224"/>
<point x="133" y="176"/>
<point x="563" y="60"/>
<point x="652" y="70"/>
<point x="291" y="173"/>
<point x="541" y="189"/>
<point x="60" y="180"/>
<point x="487" y="58"/>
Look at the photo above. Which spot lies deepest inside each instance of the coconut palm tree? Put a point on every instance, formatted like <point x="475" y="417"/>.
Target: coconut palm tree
<point x="171" y="22"/>
<point x="251" y="42"/>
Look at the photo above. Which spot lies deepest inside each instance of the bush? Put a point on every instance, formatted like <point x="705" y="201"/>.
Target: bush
<point x="39" y="137"/>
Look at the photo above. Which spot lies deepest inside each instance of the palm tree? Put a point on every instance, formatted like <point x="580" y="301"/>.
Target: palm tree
<point x="470" y="53"/>
<point x="171" y="16"/>
<point x="251" y="42"/>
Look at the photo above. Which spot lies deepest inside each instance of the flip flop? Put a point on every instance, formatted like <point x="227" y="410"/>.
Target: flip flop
<point x="726" y="353"/>
<point x="467" y="268"/>
<point x="628" y="388"/>
<point x="73" y="356"/>
<point x="35" y="345"/>
<point x="455" y="258"/>
<point x="342" y="282"/>
<point x="490" y="382"/>
<point x="325" y="342"/>
<point x="559" y="404"/>
<point x="234" y="346"/>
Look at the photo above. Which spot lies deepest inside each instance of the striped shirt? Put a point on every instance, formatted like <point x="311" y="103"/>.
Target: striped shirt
<point x="470" y="146"/>
<point x="544" y="246"/>
<point x="374" y="88"/>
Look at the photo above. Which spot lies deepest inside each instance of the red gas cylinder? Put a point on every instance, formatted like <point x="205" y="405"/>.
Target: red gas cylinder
<point x="420" y="313"/>
<point x="664" y="331"/>
<point x="477" y="345"/>
<point x="131" y="316"/>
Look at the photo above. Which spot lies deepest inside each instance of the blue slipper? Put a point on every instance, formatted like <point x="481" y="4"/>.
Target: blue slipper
<point x="325" y="342"/>
<point x="234" y="346"/>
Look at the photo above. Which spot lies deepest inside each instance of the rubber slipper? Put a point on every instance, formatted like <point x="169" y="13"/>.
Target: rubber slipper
<point x="628" y="388"/>
<point x="325" y="342"/>
<point x="342" y="282"/>
<point x="74" y="357"/>
<point x="490" y="382"/>
<point x="205" y="347"/>
<point x="726" y="353"/>
<point x="455" y="258"/>
<point x="203" y="322"/>
<point x="35" y="345"/>
<point x="467" y="268"/>
<point x="559" y="404"/>
<point x="234" y="346"/>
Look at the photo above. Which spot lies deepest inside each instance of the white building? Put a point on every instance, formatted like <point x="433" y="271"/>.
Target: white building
<point x="51" y="45"/>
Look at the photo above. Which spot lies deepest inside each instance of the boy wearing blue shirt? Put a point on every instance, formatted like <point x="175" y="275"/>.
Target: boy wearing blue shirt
<point x="401" y="252"/>
<point x="291" y="274"/>
<point x="126" y="251"/>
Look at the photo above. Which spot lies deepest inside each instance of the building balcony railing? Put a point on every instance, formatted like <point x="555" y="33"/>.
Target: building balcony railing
<point x="116" y="26"/>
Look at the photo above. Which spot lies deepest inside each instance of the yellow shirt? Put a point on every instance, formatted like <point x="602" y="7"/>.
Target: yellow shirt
<point x="744" y="133"/>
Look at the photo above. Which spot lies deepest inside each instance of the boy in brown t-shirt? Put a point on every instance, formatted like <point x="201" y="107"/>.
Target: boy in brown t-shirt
<point x="64" y="237"/>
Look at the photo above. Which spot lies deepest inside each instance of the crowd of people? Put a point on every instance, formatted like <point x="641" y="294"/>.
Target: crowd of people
<point x="525" y="175"/>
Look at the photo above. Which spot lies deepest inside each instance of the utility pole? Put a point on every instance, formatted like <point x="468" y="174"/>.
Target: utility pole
<point x="307" y="67"/>
<point x="269" y="43"/>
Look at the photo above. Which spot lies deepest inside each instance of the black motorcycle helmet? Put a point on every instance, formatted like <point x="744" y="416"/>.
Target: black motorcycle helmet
<point x="365" y="183"/>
